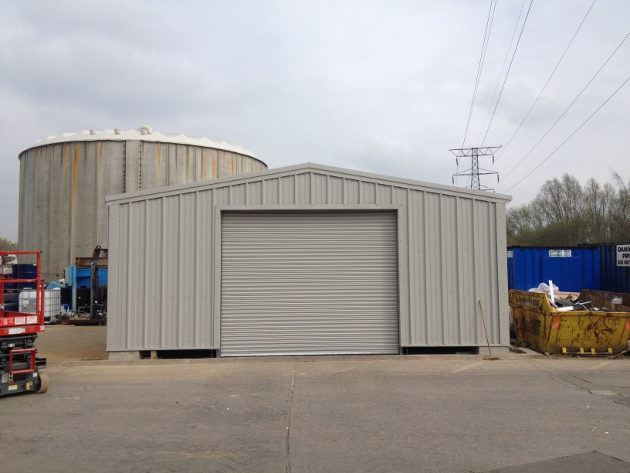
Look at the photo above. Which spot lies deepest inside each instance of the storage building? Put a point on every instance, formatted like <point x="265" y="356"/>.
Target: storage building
<point x="307" y="259"/>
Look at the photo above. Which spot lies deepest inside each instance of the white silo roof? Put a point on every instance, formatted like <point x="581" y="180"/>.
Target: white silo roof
<point x="144" y="133"/>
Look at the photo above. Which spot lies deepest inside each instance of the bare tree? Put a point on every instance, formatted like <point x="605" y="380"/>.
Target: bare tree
<point x="7" y="244"/>
<point x="565" y="213"/>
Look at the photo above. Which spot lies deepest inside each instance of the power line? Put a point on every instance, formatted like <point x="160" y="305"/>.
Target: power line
<point x="508" y="72"/>
<point x="505" y="61"/>
<point x="502" y="151"/>
<point x="569" y="106"/>
<point x="482" y="57"/>
<point x="573" y="133"/>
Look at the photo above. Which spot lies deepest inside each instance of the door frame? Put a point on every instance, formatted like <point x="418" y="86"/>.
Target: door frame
<point x="403" y="269"/>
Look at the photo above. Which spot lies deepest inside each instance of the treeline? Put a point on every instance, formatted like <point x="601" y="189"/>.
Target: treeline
<point x="7" y="244"/>
<point x="564" y="213"/>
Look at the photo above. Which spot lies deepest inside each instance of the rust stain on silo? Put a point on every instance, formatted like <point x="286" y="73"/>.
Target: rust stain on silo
<point x="100" y="155"/>
<point x="64" y="158"/>
<point x="158" y="150"/>
<point x="75" y="175"/>
<point x="232" y="160"/>
<point x="37" y="154"/>
<point x="203" y="165"/>
<point x="214" y="164"/>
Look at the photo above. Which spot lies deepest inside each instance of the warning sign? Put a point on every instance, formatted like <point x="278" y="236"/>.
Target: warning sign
<point x="623" y="255"/>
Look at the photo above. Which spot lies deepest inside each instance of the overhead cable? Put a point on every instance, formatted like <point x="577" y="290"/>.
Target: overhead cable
<point x="533" y="105"/>
<point x="482" y="57"/>
<point x="503" y="66"/>
<point x="572" y="134"/>
<point x="520" y="35"/>
<point x="569" y="106"/>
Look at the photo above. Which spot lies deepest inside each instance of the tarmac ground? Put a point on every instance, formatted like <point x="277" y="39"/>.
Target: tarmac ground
<point x="451" y="413"/>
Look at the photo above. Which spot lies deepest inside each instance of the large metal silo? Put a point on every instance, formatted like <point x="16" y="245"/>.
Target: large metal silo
<point x="64" y="180"/>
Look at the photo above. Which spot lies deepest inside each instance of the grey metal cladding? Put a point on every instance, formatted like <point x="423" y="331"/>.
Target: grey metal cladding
<point x="451" y="247"/>
<point x="309" y="282"/>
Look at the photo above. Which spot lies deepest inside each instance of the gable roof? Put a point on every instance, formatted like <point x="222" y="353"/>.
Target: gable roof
<point x="315" y="168"/>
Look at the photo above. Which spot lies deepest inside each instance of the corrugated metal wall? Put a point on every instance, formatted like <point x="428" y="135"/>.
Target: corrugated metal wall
<point x="571" y="269"/>
<point x="612" y="277"/>
<point x="165" y="270"/>
<point x="63" y="187"/>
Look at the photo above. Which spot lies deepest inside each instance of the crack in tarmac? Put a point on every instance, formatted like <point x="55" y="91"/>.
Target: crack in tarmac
<point x="617" y="398"/>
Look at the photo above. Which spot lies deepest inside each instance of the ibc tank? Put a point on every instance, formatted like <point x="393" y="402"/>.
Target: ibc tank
<point x="64" y="180"/>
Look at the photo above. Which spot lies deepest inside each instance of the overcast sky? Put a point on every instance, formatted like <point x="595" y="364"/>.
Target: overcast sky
<point x="373" y="86"/>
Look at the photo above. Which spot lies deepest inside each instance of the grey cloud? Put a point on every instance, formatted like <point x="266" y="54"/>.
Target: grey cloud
<point x="378" y="86"/>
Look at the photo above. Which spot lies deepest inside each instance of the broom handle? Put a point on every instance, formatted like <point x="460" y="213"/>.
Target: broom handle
<point x="485" y="329"/>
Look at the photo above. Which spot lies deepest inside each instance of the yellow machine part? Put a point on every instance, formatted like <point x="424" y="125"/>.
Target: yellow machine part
<point x="543" y="328"/>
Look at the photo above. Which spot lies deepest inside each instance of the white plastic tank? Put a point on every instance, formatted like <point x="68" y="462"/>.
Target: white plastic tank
<point x="52" y="303"/>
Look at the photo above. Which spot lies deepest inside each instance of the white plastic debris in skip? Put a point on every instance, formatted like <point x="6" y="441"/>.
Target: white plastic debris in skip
<point x="52" y="303"/>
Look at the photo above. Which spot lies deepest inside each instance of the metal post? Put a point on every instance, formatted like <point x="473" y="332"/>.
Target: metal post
<point x="72" y="279"/>
<point x="93" y="269"/>
<point x="475" y="182"/>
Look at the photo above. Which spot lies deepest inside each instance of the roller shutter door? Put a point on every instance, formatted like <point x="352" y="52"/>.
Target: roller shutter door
<point x="309" y="283"/>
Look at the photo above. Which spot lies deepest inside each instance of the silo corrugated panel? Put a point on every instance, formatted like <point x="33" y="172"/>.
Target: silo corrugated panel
<point x="63" y="186"/>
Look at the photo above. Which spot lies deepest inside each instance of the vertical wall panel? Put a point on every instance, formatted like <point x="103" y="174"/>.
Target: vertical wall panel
<point x="205" y="270"/>
<point x="222" y="196"/>
<point x="135" y="282"/>
<point x="368" y="193"/>
<point x="187" y="271"/>
<point x="383" y="194"/>
<point x="272" y="193"/>
<point x="153" y="273"/>
<point x="336" y="190"/>
<point x="417" y="266"/>
<point x="351" y="191"/>
<point x="450" y="270"/>
<point x="116" y="328"/>
<point x="254" y="193"/>
<point x="501" y="270"/>
<point x="237" y="194"/>
<point x="434" y="268"/>
<point x="287" y="190"/>
<point x="400" y="198"/>
<point x="466" y="276"/>
<point x="303" y="189"/>
<point x="320" y="189"/>
<point x="170" y="275"/>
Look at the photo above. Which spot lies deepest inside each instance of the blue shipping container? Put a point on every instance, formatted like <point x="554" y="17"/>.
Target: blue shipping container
<point x="84" y="277"/>
<point x="613" y="277"/>
<point x="23" y="271"/>
<point x="571" y="269"/>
